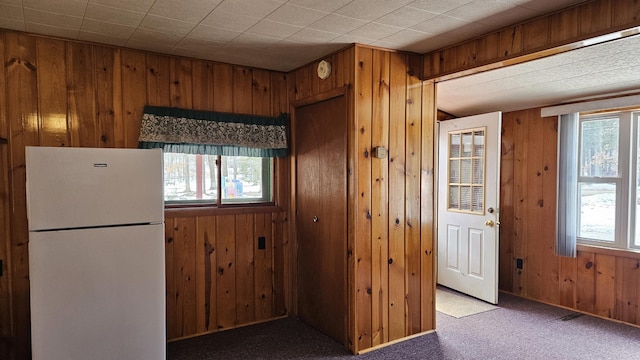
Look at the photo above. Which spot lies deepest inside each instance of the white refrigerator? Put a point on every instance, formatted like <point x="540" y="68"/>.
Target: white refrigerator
<point x="96" y="253"/>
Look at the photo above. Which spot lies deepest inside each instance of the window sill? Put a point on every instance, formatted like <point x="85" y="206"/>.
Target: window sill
<point x="189" y="211"/>
<point x="627" y="253"/>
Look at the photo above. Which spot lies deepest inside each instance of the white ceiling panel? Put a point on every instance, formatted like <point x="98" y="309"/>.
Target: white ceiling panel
<point x="285" y="34"/>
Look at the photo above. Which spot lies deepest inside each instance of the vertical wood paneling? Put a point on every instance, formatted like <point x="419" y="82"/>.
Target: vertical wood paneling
<point x="549" y="265"/>
<point x="245" y="271"/>
<point x="203" y="85"/>
<point x="263" y="289"/>
<point x="52" y="99"/>
<point x="181" y="89"/>
<point x="81" y="92"/>
<point x="397" y="104"/>
<point x="379" y="200"/>
<point x="77" y="94"/>
<point x="520" y="173"/>
<point x="563" y="26"/>
<point x="536" y="33"/>
<point x="22" y="117"/>
<point x="585" y="287"/>
<point x="595" y="16"/>
<point x="628" y="290"/>
<point x="603" y="283"/>
<point x="413" y="140"/>
<point x="362" y="207"/>
<point x="605" y="294"/>
<point x="625" y="12"/>
<point x="510" y="41"/>
<point x="5" y="213"/>
<point x="158" y="78"/>
<point x="133" y="94"/>
<point x="223" y="80"/>
<point x="206" y="266"/>
<point x="108" y="96"/>
<point x="533" y="203"/>
<point x="427" y="218"/>
<point x="507" y="262"/>
<point x="184" y="252"/>
<point x="226" y="273"/>
<point x="170" y="280"/>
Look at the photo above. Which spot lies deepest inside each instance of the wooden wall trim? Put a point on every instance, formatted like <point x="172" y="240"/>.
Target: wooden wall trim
<point x="560" y="31"/>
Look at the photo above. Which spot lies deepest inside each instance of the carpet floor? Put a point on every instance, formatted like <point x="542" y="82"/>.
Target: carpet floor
<point x="517" y="329"/>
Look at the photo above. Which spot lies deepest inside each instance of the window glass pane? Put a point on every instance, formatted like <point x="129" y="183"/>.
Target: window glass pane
<point x="478" y="143"/>
<point x="466" y="144"/>
<point x="454" y="195"/>
<point x="454" y="171"/>
<point x="190" y="177"/>
<point x="465" y="171"/>
<point x="245" y="179"/>
<point x="597" y="205"/>
<point x="465" y="198"/>
<point x="478" y="171"/>
<point x="599" y="147"/>
<point x="477" y="204"/>
<point x="454" y="151"/>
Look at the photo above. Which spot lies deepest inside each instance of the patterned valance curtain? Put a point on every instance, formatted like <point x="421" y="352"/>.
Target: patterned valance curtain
<point x="213" y="133"/>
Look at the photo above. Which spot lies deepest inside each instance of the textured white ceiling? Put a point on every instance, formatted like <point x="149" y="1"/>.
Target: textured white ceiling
<point x="285" y="34"/>
<point x="608" y="68"/>
<point x="271" y="34"/>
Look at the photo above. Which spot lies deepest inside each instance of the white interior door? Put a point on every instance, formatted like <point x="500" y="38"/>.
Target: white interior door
<point x="468" y="200"/>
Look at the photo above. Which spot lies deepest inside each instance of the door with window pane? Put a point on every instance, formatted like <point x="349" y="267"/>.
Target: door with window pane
<point x="468" y="190"/>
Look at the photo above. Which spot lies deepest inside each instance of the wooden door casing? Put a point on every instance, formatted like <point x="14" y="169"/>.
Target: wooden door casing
<point x="321" y="179"/>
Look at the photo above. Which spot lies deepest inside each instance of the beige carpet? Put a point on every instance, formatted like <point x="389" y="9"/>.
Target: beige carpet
<point x="458" y="305"/>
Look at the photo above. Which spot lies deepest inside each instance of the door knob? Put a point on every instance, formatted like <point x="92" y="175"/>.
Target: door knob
<point x="489" y="223"/>
<point x="315" y="219"/>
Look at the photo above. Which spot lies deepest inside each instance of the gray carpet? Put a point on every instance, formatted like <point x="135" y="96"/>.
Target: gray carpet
<point x="518" y="329"/>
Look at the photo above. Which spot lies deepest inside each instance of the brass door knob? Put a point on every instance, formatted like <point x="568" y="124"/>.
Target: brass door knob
<point x="489" y="223"/>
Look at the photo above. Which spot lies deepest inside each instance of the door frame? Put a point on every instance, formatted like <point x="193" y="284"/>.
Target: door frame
<point x="293" y="303"/>
<point x="437" y="199"/>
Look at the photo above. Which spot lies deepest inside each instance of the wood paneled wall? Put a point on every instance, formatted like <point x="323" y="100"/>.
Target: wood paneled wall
<point x="62" y="93"/>
<point x="601" y="282"/>
<point x="562" y="28"/>
<point x="390" y="237"/>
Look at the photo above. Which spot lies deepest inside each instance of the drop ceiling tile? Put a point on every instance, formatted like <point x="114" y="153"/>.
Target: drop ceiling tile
<point x="259" y="9"/>
<point x="67" y="7"/>
<point x="374" y="31"/>
<point x="327" y="5"/>
<point x="478" y="10"/>
<point x="131" y="5"/>
<point x="296" y="15"/>
<point x="508" y="17"/>
<point x="438" y="6"/>
<point x="405" y="17"/>
<point x="51" y="30"/>
<point x="153" y="38"/>
<point x="11" y="2"/>
<point x="337" y="24"/>
<point x="362" y="9"/>
<point x="546" y="5"/>
<point x="351" y="39"/>
<point x="12" y="24"/>
<point x="440" y="24"/>
<point x="11" y="12"/>
<point x="253" y="41"/>
<point x="166" y="25"/>
<point x="406" y="37"/>
<point x="52" y="19"/>
<point x="211" y="33"/>
<point x="274" y="29"/>
<point x="113" y="15"/>
<point x="422" y="46"/>
<point x="194" y="44"/>
<point x="193" y="12"/>
<point x="468" y="31"/>
<point x="312" y="36"/>
<point x="109" y="29"/>
<point x="229" y="20"/>
<point x="102" y="38"/>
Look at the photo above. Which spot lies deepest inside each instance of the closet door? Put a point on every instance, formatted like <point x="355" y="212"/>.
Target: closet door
<point x="321" y="193"/>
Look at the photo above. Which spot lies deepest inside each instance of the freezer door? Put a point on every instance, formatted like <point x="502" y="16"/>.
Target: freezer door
<point x="98" y="294"/>
<point x="80" y="187"/>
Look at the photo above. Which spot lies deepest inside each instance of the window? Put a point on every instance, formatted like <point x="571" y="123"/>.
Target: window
<point x="608" y="203"/>
<point x="214" y="179"/>
<point x="466" y="171"/>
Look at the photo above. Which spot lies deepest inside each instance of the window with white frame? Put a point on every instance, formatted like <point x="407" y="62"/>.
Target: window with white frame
<point x="608" y="204"/>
